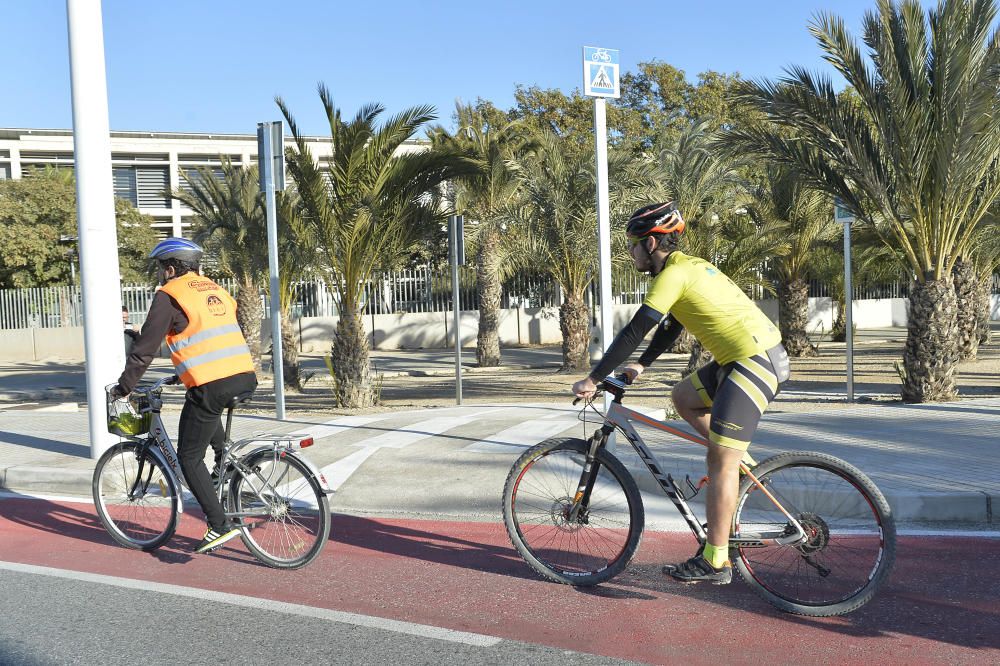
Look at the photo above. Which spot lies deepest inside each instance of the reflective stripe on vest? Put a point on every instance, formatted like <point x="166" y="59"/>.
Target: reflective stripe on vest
<point x="212" y="346"/>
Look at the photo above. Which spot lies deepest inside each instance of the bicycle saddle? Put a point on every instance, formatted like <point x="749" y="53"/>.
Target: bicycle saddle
<point x="239" y="399"/>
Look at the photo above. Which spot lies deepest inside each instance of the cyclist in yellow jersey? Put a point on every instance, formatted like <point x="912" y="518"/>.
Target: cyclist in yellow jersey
<point x="722" y="400"/>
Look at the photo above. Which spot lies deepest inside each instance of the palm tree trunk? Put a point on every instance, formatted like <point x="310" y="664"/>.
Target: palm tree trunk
<point x="838" y="333"/>
<point x="353" y="378"/>
<point x="983" y="306"/>
<point x="574" y="322"/>
<point x="249" y="315"/>
<point x="793" y="316"/>
<point x="290" y="353"/>
<point x="488" y="284"/>
<point x="684" y="343"/>
<point x="931" y="352"/>
<point x="964" y="276"/>
<point x="699" y="357"/>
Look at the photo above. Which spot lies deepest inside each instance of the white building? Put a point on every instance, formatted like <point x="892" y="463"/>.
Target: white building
<point x="145" y="165"/>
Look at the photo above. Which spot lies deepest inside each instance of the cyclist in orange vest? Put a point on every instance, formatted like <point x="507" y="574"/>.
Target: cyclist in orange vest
<point x="198" y="319"/>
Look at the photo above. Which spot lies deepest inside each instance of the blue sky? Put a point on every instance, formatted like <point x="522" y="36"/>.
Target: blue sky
<point x="216" y="65"/>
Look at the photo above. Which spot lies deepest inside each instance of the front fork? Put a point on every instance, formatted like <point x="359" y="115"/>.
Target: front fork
<point x="581" y="500"/>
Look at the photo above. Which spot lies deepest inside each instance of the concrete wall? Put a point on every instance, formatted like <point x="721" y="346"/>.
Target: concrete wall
<point x="434" y="330"/>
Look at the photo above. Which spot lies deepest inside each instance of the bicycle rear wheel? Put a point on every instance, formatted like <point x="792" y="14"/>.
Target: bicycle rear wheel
<point x="135" y="497"/>
<point x="284" y="513"/>
<point x="851" y="534"/>
<point x="537" y="500"/>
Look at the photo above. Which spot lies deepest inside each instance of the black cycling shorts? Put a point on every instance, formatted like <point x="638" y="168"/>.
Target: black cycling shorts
<point x="738" y="394"/>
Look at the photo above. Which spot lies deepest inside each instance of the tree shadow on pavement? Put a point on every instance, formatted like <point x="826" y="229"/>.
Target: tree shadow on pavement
<point x="67" y="520"/>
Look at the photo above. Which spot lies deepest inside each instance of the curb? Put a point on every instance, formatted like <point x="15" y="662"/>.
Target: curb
<point x="970" y="507"/>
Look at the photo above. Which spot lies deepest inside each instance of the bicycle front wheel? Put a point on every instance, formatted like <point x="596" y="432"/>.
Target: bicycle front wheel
<point x="283" y="511"/>
<point x="537" y="502"/>
<point x="851" y="534"/>
<point x="135" y="497"/>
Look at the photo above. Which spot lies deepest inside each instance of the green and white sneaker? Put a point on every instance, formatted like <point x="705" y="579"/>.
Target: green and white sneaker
<point x="214" y="538"/>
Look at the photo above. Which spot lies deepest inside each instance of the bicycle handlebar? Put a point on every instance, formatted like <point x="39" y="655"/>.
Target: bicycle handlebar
<point x="614" y="385"/>
<point x="169" y="380"/>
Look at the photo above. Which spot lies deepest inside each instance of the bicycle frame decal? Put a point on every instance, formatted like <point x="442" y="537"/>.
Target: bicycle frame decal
<point x="159" y="435"/>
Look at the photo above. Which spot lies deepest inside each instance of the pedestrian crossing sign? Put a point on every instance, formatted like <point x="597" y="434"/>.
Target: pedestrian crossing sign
<point x="600" y="72"/>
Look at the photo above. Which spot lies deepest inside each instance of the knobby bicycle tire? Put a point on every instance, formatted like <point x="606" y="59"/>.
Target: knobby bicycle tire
<point x="537" y="496"/>
<point x="298" y="523"/>
<point x="851" y="532"/>
<point x="145" y="522"/>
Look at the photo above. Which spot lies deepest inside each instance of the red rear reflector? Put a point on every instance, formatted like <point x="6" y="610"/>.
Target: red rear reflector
<point x="308" y="441"/>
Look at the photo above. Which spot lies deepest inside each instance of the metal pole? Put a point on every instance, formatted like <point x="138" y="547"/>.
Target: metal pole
<point x="849" y="306"/>
<point x="603" y="229"/>
<point x="99" y="275"/>
<point x="277" y="365"/>
<point x="453" y="243"/>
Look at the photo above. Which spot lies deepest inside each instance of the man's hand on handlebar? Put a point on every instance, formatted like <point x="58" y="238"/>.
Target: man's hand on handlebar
<point x="117" y="392"/>
<point x="585" y="388"/>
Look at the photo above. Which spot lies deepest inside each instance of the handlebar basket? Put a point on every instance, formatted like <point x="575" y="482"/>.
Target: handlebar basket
<point x="126" y="419"/>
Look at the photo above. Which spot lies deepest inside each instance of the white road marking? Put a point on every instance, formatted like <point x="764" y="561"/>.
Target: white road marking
<point x="355" y="619"/>
<point x="524" y="434"/>
<point x="337" y="473"/>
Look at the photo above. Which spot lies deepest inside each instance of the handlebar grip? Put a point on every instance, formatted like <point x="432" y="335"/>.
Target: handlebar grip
<point x="172" y="381"/>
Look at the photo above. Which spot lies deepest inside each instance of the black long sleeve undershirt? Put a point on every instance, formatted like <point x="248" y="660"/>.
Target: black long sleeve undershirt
<point x="629" y="338"/>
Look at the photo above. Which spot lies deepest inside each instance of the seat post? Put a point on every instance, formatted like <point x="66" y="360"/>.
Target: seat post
<point x="229" y="422"/>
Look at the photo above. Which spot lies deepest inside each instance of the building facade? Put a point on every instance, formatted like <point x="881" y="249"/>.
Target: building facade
<point x="146" y="166"/>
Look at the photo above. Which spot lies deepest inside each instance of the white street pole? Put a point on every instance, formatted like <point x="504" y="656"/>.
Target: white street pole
<point x="453" y="242"/>
<point x="849" y="307"/>
<point x="270" y="201"/>
<point x="100" y="279"/>
<point x="603" y="229"/>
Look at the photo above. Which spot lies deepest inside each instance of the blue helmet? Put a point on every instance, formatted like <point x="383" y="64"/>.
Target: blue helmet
<point x="177" y="248"/>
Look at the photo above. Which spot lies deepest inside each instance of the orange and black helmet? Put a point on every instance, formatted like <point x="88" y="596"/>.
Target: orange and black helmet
<point x="658" y="218"/>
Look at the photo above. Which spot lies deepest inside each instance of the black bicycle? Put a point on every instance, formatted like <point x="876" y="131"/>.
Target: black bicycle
<point x="812" y="534"/>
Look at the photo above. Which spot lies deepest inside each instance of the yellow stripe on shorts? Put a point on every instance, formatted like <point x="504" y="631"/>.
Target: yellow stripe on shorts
<point x="762" y="373"/>
<point x="748" y="387"/>
<point x="700" y="388"/>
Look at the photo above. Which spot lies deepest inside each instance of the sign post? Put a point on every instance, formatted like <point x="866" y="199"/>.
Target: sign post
<point x="271" y="162"/>
<point x="843" y="215"/>
<point x="456" y="252"/>
<point x="600" y="81"/>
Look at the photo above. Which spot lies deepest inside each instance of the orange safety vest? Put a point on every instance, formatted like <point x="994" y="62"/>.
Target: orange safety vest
<point x="212" y="346"/>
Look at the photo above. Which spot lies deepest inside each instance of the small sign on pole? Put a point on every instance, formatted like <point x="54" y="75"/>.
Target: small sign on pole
<point x="456" y="253"/>
<point x="844" y="216"/>
<point x="600" y="72"/>
<point x="271" y="161"/>
<point x="600" y="80"/>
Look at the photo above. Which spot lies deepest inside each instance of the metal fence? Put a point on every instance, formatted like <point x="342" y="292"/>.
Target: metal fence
<point x="405" y="291"/>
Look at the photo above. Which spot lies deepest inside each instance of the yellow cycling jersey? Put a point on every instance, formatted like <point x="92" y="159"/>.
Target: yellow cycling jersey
<point x="712" y="308"/>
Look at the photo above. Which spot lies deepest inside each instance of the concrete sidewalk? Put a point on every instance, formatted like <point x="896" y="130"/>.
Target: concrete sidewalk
<point x="936" y="463"/>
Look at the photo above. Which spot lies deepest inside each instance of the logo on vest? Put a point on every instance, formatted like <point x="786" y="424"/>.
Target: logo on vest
<point x="202" y="285"/>
<point x="215" y="306"/>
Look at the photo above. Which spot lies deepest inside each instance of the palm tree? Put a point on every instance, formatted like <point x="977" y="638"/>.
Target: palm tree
<point x="917" y="150"/>
<point x="555" y="224"/>
<point x="490" y="143"/>
<point x="806" y="217"/>
<point x="974" y="290"/>
<point x="369" y="203"/>
<point x="231" y="224"/>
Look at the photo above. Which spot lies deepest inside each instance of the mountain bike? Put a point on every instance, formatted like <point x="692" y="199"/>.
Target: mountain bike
<point x="811" y="534"/>
<point x="274" y="495"/>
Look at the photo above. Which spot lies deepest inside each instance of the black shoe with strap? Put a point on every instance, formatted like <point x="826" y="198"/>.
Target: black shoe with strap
<point x="698" y="569"/>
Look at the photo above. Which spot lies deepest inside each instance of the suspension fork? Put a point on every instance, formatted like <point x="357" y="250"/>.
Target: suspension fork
<point x="581" y="500"/>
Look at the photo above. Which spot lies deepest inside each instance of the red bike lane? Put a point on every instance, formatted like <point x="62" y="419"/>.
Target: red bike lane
<point x="941" y="605"/>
